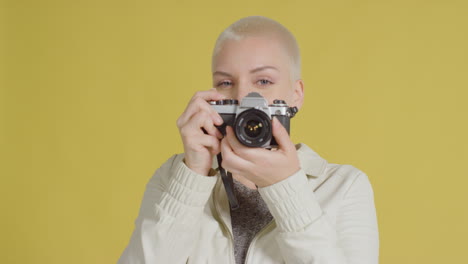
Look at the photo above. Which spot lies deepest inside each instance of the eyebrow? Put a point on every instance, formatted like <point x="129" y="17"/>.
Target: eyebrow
<point x="222" y="73"/>
<point x="251" y="71"/>
<point x="263" y="68"/>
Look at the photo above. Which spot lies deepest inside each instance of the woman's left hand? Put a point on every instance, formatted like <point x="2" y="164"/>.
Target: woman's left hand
<point x="261" y="166"/>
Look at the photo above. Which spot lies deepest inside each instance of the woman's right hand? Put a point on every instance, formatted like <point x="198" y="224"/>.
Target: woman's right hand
<point x="200" y="147"/>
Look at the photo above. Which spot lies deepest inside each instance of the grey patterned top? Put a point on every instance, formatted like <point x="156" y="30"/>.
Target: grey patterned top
<point x="251" y="216"/>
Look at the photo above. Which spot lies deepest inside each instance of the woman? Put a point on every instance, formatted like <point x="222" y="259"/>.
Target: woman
<point x="295" y="207"/>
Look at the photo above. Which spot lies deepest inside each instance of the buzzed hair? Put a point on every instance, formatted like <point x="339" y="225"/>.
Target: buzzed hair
<point x="259" y="26"/>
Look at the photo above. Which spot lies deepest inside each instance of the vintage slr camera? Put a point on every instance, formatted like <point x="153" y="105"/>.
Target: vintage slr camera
<point x="251" y="119"/>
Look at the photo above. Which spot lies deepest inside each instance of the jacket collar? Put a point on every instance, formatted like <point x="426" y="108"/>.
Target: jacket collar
<point x="311" y="163"/>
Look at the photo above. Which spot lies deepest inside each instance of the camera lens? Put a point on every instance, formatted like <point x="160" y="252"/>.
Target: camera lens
<point x="253" y="128"/>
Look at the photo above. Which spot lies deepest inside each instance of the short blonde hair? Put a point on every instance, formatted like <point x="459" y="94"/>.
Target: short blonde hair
<point x="262" y="26"/>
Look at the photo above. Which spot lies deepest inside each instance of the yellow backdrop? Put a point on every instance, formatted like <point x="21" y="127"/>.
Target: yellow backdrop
<point x="91" y="90"/>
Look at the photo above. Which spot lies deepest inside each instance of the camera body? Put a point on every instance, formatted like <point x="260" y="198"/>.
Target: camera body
<point x="251" y="119"/>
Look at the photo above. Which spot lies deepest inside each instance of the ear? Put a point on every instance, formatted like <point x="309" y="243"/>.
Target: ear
<point x="298" y="93"/>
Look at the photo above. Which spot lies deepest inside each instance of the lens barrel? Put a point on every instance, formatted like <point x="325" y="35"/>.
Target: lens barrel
<point x="253" y="128"/>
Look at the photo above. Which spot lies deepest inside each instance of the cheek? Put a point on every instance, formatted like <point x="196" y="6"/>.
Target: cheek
<point x="282" y="94"/>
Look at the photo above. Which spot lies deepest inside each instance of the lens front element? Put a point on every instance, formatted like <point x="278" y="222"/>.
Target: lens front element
<point x="253" y="128"/>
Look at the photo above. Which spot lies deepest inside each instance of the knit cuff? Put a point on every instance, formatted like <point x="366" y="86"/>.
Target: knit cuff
<point x="187" y="192"/>
<point x="292" y="202"/>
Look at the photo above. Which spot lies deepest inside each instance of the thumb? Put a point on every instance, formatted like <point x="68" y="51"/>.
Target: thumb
<point x="281" y="135"/>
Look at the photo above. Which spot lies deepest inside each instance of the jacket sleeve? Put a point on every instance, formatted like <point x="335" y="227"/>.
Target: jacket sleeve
<point x="166" y="227"/>
<point x="307" y="234"/>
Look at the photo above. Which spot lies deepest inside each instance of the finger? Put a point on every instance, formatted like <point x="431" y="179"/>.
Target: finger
<point x="208" y="95"/>
<point x="202" y="120"/>
<point x="198" y="102"/>
<point x="196" y="106"/>
<point x="207" y="141"/>
<point x="231" y="161"/>
<point x="232" y="139"/>
<point x="281" y="136"/>
<point x="236" y="146"/>
<point x="249" y="153"/>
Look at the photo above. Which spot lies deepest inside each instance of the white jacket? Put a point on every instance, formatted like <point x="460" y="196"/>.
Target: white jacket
<point x="324" y="213"/>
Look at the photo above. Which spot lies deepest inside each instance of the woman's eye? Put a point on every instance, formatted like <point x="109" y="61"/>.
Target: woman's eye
<point x="224" y="83"/>
<point x="264" y="82"/>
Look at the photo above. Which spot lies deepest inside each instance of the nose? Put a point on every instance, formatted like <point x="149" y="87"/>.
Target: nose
<point x="241" y="94"/>
<point x="242" y="90"/>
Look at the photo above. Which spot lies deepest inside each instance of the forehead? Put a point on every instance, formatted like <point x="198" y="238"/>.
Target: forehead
<point x="251" y="52"/>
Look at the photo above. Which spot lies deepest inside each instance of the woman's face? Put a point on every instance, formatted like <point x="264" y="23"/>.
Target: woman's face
<point x="255" y="64"/>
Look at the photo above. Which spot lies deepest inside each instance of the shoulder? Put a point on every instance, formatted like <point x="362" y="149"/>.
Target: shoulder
<point x="326" y="176"/>
<point x="347" y="178"/>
